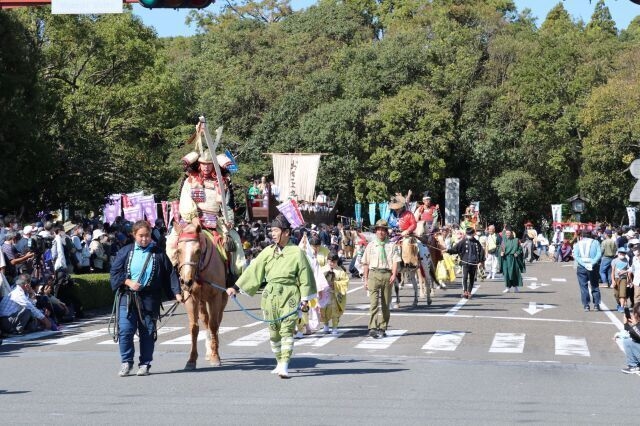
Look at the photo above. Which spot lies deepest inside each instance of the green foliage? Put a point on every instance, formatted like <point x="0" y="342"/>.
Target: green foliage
<point x="94" y="290"/>
<point x="401" y="95"/>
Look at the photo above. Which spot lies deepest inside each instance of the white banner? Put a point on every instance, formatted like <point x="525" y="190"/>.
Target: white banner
<point x="295" y="175"/>
<point x="631" y="212"/>
<point x="85" y="7"/>
<point x="556" y="212"/>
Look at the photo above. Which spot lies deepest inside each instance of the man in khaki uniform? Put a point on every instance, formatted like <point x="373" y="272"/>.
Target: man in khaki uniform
<point x="380" y="263"/>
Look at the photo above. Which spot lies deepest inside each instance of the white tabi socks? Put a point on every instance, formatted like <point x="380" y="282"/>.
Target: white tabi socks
<point x="284" y="370"/>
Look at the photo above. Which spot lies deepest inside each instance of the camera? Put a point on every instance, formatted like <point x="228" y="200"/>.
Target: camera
<point x="38" y="245"/>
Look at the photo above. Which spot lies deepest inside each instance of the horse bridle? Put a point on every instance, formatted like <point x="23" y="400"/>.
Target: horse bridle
<point x="184" y="238"/>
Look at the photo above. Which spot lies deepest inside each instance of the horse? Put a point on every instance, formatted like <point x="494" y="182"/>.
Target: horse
<point x="435" y="244"/>
<point x="409" y="252"/>
<point x="200" y="267"/>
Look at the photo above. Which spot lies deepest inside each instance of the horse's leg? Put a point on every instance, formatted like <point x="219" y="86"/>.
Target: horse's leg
<point x="412" y="276"/>
<point x="428" y="286"/>
<point x="213" y="327"/>
<point x="421" y="283"/>
<point x="192" y="307"/>
<point x="206" y="318"/>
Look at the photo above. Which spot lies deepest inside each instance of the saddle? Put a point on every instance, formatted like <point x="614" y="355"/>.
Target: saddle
<point x="409" y="252"/>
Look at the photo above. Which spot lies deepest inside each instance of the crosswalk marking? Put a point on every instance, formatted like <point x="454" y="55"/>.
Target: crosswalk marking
<point x="511" y="343"/>
<point x="444" y="341"/>
<point x="383" y="343"/>
<point x="82" y="336"/>
<point x="253" y="339"/>
<point x="567" y="345"/>
<point x="202" y="335"/>
<point x="559" y="280"/>
<point x="319" y="340"/>
<point x="163" y="330"/>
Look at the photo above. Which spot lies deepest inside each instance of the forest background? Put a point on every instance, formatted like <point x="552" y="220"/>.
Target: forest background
<point x="403" y="94"/>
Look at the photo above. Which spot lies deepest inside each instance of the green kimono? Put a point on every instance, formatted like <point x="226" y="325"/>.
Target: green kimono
<point x="289" y="279"/>
<point x="512" y="263"/>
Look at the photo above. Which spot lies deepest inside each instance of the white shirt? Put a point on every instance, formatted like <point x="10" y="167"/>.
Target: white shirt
<point x="635" y="270"/>
<point x="15" y="301"/>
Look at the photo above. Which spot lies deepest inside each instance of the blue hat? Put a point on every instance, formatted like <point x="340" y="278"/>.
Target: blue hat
<point x="622" y="249"/>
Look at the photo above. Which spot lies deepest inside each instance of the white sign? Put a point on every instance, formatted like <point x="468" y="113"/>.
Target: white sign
<point x="452" y="201"/>
<point x="85" y="7"/>
<point x="634" y="168"/>
<point x="534" y="308"/>
<point x="556" y="212"/>
<point x="631" y="212"/>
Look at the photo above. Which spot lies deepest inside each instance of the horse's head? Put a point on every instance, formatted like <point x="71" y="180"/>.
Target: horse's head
<point x="189" y="250"/>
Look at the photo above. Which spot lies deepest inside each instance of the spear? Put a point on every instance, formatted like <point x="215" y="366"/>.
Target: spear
<point x="212" y="149"/>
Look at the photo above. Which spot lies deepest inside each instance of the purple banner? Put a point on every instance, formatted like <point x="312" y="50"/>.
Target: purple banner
<point x="148" y="205"/>
<point x="133" y="214"/>
<point x="112" y="209"/>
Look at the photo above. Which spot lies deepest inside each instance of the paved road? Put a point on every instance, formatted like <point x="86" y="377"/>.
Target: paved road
<point x="534" y="356"/>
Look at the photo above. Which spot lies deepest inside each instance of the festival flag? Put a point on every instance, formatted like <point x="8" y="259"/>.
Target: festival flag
<point x="291" y="211"/>
<point x="358" y="213"/>
<point x="133" y="214"/>
<point x="148" y="206"/>
<point x="113" y="208"/>
<point x="384" y="210"/>
<point x="631" y="212"/>
<point x="165" y="213"/>
<point x="175" y="211"/>
<point x="372" y="213"/>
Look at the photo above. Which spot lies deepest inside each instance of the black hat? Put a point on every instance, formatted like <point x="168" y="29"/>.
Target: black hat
<point x="333" y="256"/>
<point x="280" y="222"/>
<point x="470" y="231"/>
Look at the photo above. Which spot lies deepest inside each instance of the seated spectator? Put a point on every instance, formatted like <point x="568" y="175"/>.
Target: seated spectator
<point x="17" y="313"/>
<point x="631" y="341"/>
<point x="543" y="245"/>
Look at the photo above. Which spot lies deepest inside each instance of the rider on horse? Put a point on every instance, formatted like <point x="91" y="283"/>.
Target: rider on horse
<point x="427" y="213"/>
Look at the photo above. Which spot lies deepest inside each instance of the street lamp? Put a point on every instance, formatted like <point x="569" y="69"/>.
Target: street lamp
<point x="578" y="205"/>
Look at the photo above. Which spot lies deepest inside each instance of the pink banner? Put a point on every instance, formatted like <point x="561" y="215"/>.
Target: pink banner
<point x="165" y="214"/>
<point x="175" y="211"/>
<point x="148" y="205"/>
<point x="133" y="214"/>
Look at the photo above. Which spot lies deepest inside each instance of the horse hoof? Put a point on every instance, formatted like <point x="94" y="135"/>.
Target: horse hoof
<point x="429" y="302"/>
<point x="190" y="366"/>
<point x="216" y="363"/>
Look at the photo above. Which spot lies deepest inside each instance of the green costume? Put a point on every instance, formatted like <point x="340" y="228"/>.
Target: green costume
<point x="512" y="262"/>
<point x="289" y="279"/>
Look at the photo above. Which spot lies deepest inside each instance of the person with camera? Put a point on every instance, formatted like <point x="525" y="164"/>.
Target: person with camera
<point x="13" y="260"/>
<point x="631" y="340"/>
<point x="18" y="314"/>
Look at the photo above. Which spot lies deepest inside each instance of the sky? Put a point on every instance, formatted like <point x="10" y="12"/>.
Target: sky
<point x="169" y="22"/>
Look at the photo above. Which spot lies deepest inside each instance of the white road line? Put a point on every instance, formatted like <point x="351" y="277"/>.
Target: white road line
<point x="559" y="280"/>
<point x="360" y="287"/>
<point x="253" y="324"/>
<point x="163" y="330"/>
<point x="319" y="339"/>
<point x="567" y="345"/>
<point x="383" y="343"/>
<point x="253" y="339"/>
<point x="444" y="341"/>
<point x="460" y="303"/>
<point x="615" y="321"/>
<point x="202" y="335"/>
<point x="529" y="279"/>
<point x="81" y="337"/>
<point x="509" y="343"/>
<point x="463" y="316"/>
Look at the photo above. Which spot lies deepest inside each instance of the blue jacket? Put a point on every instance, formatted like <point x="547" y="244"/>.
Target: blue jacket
<point x="164" y="277"/>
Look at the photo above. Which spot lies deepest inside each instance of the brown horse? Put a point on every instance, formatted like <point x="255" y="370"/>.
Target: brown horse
<point x="200" y="266"/>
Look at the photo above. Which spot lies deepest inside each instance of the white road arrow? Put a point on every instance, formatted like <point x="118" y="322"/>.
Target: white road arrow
<point x="534" y="286"/>
<point x="534" y="308"/>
